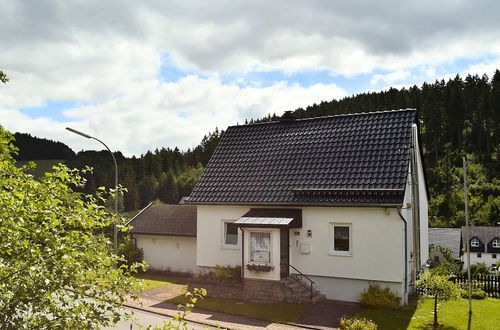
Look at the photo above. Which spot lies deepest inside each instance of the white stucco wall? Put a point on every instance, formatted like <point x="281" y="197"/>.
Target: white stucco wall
<point x="210" y="250"/>
<point x="486" y="258"/>
<point x="173" y="253"/>
<point x="377" y="253"/>
<point x="349" y="289"/>
<point x="424" y="207"/>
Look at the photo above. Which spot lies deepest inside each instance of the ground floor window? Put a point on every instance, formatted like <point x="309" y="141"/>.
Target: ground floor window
<point x="260" y="247"/>
<point x="230" y="237"/>
<point x="341" y="239"/>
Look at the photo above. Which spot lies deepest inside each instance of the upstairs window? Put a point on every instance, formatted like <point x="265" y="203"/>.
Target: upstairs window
<point x="496" y="243"/>
<point x="474" y="242"/>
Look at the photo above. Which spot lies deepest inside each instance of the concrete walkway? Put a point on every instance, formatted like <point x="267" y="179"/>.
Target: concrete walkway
<point x="322" y="315"/>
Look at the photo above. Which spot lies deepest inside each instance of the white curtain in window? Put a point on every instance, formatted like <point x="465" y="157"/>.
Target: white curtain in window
<point x="259" y="246"/>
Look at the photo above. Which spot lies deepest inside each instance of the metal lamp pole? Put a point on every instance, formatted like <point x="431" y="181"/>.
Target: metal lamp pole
<point x="115" y="229"/>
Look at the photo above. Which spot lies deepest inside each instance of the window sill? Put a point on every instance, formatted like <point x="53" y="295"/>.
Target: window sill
<point x="230" y="247"/>
<point x="339" y="254"/>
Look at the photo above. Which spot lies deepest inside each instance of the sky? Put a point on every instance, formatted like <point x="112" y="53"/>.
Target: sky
<point x="141" y="75"/>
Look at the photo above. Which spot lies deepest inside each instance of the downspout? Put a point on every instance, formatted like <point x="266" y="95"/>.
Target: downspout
<point x="242" y="254"/>
<point x="405" y="225"/>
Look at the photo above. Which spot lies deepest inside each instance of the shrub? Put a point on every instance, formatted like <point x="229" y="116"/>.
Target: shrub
<point x="129" y="251"/>
<point x="477" y="290"/>
<point x="377" y="297"/>
<point x="357" y="323"/>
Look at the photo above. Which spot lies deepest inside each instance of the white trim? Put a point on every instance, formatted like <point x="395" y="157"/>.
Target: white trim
<point x="223" y="243"/>
<point x="496" y="243"/>
<point x="331" y="244"/>
<point x="474" y="242"/>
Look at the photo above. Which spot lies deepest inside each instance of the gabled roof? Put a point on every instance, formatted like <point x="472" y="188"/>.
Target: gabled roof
<point x="359" y="159"/>
<point x="485" y="233"/>
<point x="446" y="237"/>
<point x="170" y="220"/>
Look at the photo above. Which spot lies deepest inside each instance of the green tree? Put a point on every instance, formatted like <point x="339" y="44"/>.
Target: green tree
<point x="52" y="254"/>
<point x="440" y="288"/>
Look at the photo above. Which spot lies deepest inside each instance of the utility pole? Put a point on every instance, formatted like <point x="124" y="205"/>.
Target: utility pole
<point x="467" y="238"/>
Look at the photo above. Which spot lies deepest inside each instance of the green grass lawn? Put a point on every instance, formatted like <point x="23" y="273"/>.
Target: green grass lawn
<point x="155" y="280"/>
<point x="452" y="314"/>
<point x="277" y="312"/>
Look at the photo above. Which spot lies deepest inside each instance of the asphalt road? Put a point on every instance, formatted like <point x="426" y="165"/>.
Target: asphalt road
<point x="142" y="319"/>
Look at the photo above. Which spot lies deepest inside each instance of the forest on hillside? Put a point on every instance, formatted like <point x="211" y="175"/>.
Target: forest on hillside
<point x="458" y="117"/>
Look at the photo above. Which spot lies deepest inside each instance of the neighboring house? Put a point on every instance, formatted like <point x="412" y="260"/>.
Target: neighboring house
<point x="446" y="237"/>
<point x="342" y="199"/>
<point x="167" y="235"/>
<point x="484" y="243"/>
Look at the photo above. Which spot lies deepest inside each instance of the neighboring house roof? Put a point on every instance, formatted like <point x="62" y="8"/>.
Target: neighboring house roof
<point x="446" y="237"/>
<point x="485" y="233"/>
<point x="357" y="159"/>
<point x="170" y="220"/>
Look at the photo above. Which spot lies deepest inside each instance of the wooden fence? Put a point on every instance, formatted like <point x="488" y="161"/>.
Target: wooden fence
<point x="490" y="284"/>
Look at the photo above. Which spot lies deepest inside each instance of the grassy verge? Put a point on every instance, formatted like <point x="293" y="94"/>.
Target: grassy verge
<point x="155" y="280"/>
<point x="452" y="314"/>
<point x="276" y="312"/>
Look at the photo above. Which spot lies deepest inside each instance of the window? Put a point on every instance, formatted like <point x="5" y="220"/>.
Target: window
<point x="494" y="255"/>
<point x="341" y="239"/>
<point x="474" y="242"/>
<point x="479" y="255"/>
<point x="230" y="238"/>
<point x="496" y="243"/>
<point x="260" y="247"/>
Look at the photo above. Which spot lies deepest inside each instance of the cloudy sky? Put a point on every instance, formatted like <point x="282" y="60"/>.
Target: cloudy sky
<point x="141" y="75"/>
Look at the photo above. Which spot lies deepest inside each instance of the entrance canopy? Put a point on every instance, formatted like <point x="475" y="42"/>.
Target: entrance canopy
<point x="272" y="218"/>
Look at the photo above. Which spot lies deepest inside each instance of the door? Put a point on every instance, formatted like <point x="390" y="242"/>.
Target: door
<point x="284" y="252"/>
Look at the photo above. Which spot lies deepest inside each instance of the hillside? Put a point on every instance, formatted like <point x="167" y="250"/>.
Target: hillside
<point x="458" y="117"/>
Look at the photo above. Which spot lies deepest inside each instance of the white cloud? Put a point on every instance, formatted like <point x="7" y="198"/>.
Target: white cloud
<point x="108" y="54"/>
<point x="390" y="78"/>
<point x="151" y="115"/>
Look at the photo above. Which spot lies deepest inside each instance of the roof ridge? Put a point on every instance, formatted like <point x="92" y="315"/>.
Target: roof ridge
<point x="329" y="116"/>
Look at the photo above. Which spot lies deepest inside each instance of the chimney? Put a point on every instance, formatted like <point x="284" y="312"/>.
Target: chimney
<point x="287" y="116"/>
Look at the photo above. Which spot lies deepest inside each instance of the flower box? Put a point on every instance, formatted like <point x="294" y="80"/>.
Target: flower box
<point x="259" y="267"/>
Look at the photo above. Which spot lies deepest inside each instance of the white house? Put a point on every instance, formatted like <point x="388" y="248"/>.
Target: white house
<point x="340" y="199"/>
<point x="484" y="244"/>
<point x="167" y="236"/>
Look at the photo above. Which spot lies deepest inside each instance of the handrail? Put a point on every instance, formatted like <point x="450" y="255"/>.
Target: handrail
<point x="311" y="289"/>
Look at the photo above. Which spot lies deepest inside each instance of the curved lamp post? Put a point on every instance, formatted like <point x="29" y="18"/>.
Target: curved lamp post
<point x="115" y="230"/>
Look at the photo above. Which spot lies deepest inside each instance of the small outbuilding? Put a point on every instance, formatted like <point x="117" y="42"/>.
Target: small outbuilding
<point x="167" y="235"/>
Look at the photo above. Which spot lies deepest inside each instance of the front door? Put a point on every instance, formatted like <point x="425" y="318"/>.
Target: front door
<point x="284" y="252"/>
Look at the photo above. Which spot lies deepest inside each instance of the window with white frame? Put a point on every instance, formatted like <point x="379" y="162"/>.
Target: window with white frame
<point x="260" y="247"/>
<point x="230" y="234"/>
<point x="341" y="239"/>
<point x="496" y="243"/>
<point x="474" y="242"/>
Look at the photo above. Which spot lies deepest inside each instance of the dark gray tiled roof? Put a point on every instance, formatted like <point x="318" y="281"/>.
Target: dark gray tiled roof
<point x="446" y="237"/>
<point x="359" y="159"/>
<point x="485" y="233"/>
<point x="171" y="220"/>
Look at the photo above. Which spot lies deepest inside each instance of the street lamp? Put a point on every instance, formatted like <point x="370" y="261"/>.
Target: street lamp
<point x="115" y="229"/>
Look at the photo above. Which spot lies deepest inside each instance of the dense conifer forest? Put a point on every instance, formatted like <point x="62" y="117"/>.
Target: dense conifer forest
<point x="458" y="117"/>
